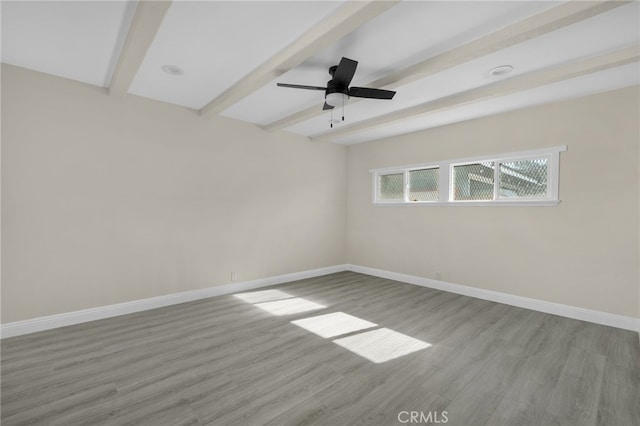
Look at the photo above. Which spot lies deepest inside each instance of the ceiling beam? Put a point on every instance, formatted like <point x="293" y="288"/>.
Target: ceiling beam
<point x="346" y="19"/>
<point x="502" y="88"/>
<point x="535" y="26"/>
<point x="144" y="27"/>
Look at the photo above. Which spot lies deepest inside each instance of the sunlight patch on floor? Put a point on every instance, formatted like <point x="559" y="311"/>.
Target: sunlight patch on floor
<point x="381" y="345"/>
<point x="262" y="296"/>
<point x="378" y="345"/>
<point x="291" y="306"/>
<point x="334" y="324"/>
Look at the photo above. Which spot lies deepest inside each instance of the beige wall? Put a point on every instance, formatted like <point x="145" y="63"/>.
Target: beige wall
<point x="106" y="200"/>
<point x="582" y="253"/>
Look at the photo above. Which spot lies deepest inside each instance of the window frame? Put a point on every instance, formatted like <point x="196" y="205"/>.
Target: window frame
<point x="445" y="180"/>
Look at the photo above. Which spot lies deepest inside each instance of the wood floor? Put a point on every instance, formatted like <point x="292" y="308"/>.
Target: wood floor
<point x="226" y="361"/>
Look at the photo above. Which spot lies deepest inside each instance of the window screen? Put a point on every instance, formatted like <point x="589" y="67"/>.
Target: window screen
<point x="423" y="184"/>
<point x="391" y="187"/>
<point x="473" y="181"/>
<point x="524" y="179"/>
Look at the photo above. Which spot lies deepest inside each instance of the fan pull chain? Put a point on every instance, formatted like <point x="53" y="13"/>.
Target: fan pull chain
<point x="343" y="107"/>
<point x="331" y="118"/>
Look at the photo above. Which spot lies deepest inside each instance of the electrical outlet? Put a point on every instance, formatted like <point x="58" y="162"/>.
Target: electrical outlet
<point x="234" y="276"/>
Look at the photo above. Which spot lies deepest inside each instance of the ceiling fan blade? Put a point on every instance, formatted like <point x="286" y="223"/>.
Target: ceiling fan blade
<point x="368" y="92"/>
<point x="345" y="71"/>
<point x="300" y="86"/>
<point x="327" y="106"/>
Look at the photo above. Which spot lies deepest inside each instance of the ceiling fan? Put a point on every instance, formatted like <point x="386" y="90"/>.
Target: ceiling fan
<point x="338" y="91"/>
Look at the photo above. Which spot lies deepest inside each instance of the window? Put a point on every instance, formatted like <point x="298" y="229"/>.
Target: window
<point x="524" y="178"/>
<point x="390" y="187"/>
<point x="473" y="181"/>
<point x="411" y="185"/>
<point x="423" y="184"/>
<point x="521" y="178"/>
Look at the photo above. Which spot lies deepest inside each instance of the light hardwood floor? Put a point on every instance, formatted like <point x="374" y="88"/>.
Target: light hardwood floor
<point x="227" y="361"/>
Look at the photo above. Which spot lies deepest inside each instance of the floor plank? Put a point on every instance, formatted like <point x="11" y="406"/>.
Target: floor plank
<point x="224" y="361"/>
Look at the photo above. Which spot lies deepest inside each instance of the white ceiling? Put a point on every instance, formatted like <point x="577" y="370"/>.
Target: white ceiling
<point x="408" y="33"/>
<point x="615" y="78"/>
<point x="76" y="40"/>
<point x="586" y="38"/>
<point x="218" y="43"/>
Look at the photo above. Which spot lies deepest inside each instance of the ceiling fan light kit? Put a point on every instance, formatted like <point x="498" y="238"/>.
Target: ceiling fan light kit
<point x="336" y="99"/>
<point x="338" y="91"/>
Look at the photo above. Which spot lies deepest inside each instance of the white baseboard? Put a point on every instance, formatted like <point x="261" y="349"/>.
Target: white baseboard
<point x="18" y="328"/>
<point x="33" y="325"/>
<point x="598" y="317"/>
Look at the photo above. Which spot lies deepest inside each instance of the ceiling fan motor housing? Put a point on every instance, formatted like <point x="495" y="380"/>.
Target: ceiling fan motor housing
<point x="336" y="93"/>
<point x="333" y="87"/>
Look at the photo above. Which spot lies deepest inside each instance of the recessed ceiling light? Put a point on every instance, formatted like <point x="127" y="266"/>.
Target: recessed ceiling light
<point x="172" y="69"/>
<point x="501" y="70"/>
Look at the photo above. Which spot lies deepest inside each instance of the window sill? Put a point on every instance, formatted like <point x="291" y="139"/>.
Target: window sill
<point x="491" y="203"/>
